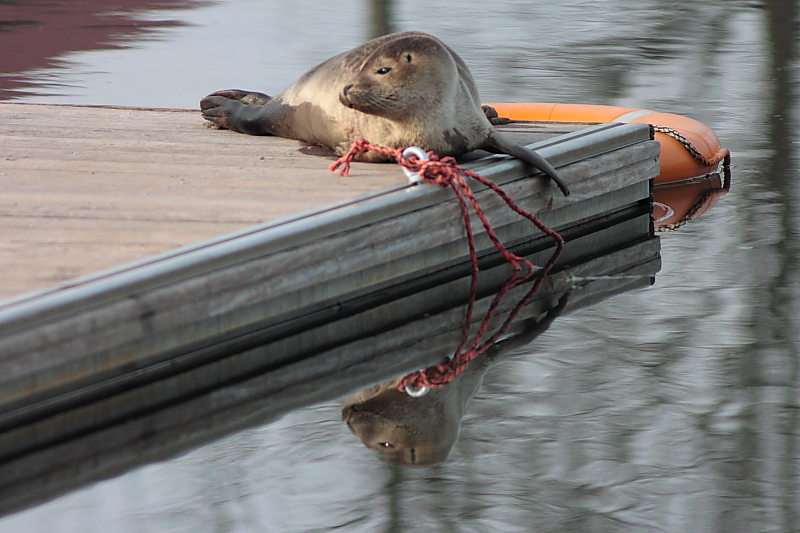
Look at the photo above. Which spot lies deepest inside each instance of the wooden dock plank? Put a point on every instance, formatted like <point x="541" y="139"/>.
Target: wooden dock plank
<point x="82" y="188"/>
<point x="86" y="188"/>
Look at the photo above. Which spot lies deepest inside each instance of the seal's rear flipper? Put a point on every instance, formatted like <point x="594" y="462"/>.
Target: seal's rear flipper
<point x="493" y="117"/>
<point x="498" y="144"/>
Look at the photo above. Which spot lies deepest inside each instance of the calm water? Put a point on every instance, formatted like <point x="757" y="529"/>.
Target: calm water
<point x="673" y="408"/>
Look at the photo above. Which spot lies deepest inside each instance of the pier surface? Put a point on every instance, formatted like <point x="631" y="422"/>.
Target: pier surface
<point x="86" y="188"/>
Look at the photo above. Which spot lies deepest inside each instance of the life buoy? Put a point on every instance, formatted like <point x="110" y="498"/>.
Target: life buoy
<point x="689" y="148"/>
<point x="691" y="180"/>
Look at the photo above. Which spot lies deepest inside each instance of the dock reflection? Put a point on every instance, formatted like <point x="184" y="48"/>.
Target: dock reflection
<point x="46" y="458"/>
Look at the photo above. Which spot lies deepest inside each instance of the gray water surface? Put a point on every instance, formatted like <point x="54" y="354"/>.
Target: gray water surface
<point x="672" y="408"/>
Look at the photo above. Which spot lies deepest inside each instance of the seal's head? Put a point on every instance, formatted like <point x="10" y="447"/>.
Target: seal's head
<point x="404" y="77"/>
<point x="406" y="430"/>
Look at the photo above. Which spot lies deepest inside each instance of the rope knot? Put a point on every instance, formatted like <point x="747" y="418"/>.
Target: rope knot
<point x="437" y="171"/>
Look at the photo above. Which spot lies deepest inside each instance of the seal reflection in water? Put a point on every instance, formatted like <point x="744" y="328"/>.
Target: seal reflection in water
<point x="422" y="430"/>
<point x="399" y="90"/>
<point x="412" y="431"/>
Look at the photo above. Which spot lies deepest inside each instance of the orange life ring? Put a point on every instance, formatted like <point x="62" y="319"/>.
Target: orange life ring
<point x="690" y="181"/>
<point x="677" y="161"/>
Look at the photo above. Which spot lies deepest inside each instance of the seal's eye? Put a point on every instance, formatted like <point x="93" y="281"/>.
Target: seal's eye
<point x="386" y="445"/>
<point x="384" y="70"/>
<point x="408" y="58"/>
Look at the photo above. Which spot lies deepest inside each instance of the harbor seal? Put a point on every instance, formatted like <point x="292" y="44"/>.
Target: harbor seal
<point x="399" y="90"/>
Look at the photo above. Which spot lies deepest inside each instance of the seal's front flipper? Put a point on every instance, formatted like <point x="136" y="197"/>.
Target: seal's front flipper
<point x="245" y="97"/>
<point x="230" y="109"/>
<point x="498" y="144"/>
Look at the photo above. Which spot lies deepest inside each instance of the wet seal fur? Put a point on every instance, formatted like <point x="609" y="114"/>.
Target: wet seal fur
<point x="399" y="90"/>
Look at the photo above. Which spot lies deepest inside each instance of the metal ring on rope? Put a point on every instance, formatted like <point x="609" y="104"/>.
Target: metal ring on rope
<point x="414" y="177"/>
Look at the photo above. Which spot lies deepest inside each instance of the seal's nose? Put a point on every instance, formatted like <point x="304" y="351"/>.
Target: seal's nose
<point x="343" y="96"/>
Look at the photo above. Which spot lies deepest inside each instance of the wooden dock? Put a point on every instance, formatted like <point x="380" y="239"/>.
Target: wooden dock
<point x="149" y="263"/>
<point x="87" y="188"/>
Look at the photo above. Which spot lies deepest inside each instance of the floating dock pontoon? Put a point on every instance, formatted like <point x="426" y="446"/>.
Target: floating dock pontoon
<point x="154" y="268"/>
